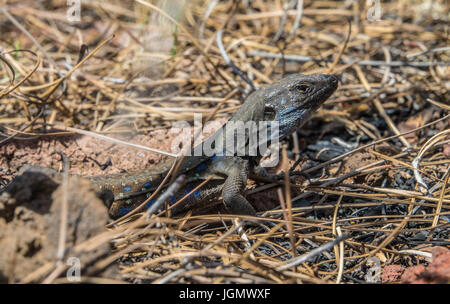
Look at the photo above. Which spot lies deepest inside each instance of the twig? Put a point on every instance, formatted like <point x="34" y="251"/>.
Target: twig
<point x="230" y="63"/>
<point x="303" y="258"/>
<point x="173" y="188"/>
<point x="299" y="58"/>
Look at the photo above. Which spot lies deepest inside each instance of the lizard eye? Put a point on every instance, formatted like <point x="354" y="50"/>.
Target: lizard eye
<point x="302" y="88"/>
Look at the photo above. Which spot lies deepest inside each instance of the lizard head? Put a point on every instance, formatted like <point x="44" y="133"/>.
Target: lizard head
<point x="293" y="99"/>
<point x="288" y="102"/>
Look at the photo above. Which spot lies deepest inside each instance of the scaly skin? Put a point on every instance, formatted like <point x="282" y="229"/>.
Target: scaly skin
<point x="289" y="102"/>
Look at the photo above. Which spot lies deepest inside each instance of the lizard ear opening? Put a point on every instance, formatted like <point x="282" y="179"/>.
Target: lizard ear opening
<point x="269" y="113"/>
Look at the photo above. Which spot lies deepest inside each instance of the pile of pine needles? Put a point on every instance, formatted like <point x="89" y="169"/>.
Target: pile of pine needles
<point x="106" y="74"/>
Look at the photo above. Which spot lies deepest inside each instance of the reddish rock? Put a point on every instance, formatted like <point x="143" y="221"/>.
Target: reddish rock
<point x="392" y="273"/>
<point x="30" y="226"/>
<point x="437" y="272"/>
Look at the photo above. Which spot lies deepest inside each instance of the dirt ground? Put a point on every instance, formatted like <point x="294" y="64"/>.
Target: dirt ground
<point x="372" y="162"/>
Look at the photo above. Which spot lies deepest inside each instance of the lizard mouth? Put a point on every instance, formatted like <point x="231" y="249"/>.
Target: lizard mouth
<point x="322" y="94"/>
<point x="314" y="101"/>
<point x="294" y="117"/>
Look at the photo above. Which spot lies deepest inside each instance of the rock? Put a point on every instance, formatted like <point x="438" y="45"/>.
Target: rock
<point x="30" y="224"/>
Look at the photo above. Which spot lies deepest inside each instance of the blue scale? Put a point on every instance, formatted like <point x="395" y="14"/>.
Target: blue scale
<point x="201" y="167"/>
<point x="150" y="203"/>
<point x="124" y="211"/>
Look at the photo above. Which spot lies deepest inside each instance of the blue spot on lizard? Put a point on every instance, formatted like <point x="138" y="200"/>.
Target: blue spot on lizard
<point x="124" y="211"/>
<point x="150" y="203"/>
<point x="201" y="167"/>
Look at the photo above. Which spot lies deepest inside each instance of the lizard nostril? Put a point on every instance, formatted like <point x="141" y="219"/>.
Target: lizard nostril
<point x="332" y="80"/>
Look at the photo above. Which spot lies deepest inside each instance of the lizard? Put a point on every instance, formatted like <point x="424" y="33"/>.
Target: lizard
<point x="289" y="102"/>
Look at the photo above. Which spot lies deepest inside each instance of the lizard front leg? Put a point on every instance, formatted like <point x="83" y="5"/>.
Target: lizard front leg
<point x="232" y="190"/>
<point x="234" y="185"/>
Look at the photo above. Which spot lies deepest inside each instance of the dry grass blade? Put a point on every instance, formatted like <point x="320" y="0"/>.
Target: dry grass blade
<point x="373" y="163"/>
